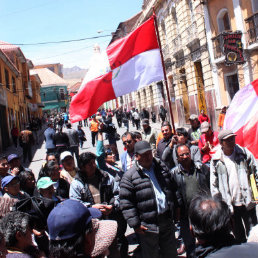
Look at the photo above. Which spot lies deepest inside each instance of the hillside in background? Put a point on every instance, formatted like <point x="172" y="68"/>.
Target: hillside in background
<point x="74" y="73"/>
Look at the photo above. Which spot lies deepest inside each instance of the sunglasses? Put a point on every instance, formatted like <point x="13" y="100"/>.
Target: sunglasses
<point x="127" y="142"/>
<point x="109" y="152"/>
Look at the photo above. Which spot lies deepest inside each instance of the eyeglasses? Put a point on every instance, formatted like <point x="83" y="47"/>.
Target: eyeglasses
<point x="127" y="142"/>
<point x="109" y="152"/>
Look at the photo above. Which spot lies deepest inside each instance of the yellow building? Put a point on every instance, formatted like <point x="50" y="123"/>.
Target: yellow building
<point x="16" y="93"/>
<point x="231" y="16"/>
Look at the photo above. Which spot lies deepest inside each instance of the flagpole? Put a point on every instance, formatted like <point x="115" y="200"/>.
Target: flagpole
<point x="164" y="71"/>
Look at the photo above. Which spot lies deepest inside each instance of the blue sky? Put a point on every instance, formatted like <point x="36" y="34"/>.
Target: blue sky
<point x="30" y="21"/>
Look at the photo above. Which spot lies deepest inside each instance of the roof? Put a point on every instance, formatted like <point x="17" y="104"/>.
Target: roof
<point x="75" y="87"/>
<point x="8" y="48"/>
<point x="48" y="78"/>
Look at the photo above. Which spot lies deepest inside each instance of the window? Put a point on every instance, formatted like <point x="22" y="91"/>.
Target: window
<point x="223" y="20"/>
<point x="7" y="82"/>
<point x="232" y="85"/>
<point x="62" y="94"/>
<point x="14" y="84"/>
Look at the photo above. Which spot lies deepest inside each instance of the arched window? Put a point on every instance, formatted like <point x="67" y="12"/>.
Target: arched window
<point x="223" y="20"/>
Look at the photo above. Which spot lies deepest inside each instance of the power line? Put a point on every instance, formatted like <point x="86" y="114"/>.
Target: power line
<point x="57" y="42"/>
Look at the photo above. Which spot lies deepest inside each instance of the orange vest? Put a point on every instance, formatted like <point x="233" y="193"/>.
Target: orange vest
<point x="94" y="126"/>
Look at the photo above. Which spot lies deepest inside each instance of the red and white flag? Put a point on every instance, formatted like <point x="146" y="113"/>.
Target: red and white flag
<point x="242" y="117"/>
<point x="134" y="62"/>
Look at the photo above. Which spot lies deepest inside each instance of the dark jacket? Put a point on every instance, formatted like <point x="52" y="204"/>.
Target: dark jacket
<point x="63" y="189"/>
<point x="137" y="197"/>
<point x="61" y="139"/>
<point x="163" y="143"/>
<point x="203" y="177"/>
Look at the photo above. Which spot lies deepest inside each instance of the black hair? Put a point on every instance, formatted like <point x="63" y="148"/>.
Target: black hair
<point x="12" y="223"/>
<point x="85" y="158"/>
<point x="209" y="217"/>
<point x="50" y="166"/>
<point x="136" y="135"/>
<point x="128" y="133"/>
<point x="3" y="157"/>
<point x="166" y="123"/>
<point x="182" y="130"/>
<point x="180" y="145"/>
<point x="68" y="125"/>
<point x="69" y="248"/>
<point x="23" y="177"/>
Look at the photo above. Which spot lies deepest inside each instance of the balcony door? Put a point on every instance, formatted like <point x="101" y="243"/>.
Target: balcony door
<point x="232" y="85"/>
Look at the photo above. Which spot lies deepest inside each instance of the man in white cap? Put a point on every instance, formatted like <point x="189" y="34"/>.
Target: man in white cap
<point x="230" y="171"/>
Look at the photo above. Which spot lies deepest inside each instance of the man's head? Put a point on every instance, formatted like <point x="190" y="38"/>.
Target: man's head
<point x="4" y="166"/>
<point x="137" y="136"/>
<point x="87" y="163"/>
<point x="50" y="124"/>
<point x="68" y="125"/>
<point x="143" y="154"/>
<point x="166" y="130"/>
<point x="206" y="128"/>
<point x="11" y="185"/>
<point x="183" y="155"/>
<point x="182" y="135"/>
<point x="45" y="187"/>
<point x="17" y="229"/>
<point x="51" y="156"/>
<point x="209" y="217"/>
<point x="227" y="141"/>
<point x="128" y="141"/>
<point x="67" y="160"/>
<point x="27" y="180"/>
<point x="74" y="230"/>
<point x="14" y="161"/>
<point x="145" y="123"/>
<point x="194" y="121"/>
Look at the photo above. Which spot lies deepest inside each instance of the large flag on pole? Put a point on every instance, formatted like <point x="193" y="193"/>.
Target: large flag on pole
<point x="242" y="117"/>
<point x="134" y="62"/>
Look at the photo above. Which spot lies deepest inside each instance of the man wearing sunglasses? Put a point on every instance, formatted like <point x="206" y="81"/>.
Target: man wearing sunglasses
<point x="128" y="157"/>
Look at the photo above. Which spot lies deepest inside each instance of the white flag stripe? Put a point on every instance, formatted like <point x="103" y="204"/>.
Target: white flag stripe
<point x="138" y="72"/>
<point x="243" y="107"/>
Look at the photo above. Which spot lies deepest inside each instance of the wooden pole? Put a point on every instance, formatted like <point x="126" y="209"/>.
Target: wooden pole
<point x="164" y="72"/>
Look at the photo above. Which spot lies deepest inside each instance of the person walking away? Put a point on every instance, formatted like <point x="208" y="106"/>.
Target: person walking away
<point x="203" y="117"/>
<point x="81" y="134"/>
<point x="153" y="117"/>
<point x="49" y="138"/>
<point x="62" y="141"/>
<point x="94" y="124"/>
<point x="26" y="140"/>
<point x="136" y="117"/>
<point x="162" y="113"/>
<point x="221" y="118"/>
<point x="15" y="135"/>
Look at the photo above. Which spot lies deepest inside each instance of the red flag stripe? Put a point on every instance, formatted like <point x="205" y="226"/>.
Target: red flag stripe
<point x="140" y="40"/>
<point x="91" y="97"/>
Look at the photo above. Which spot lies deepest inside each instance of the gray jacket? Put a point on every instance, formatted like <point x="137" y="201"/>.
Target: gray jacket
<point x="245" y="166"/>
<point x="170" y="158"/>
<point x="73" y="136"/>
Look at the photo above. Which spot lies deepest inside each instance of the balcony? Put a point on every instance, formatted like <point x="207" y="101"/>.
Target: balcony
<point x="176" y="44"/>
<point x="192" y="34"/>
<point x="252" y="28"/>
<point x="165" y="52"/>
<point x="217" y="43"/>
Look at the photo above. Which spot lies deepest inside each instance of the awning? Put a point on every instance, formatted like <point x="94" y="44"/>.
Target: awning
<point x="50" y="106"/>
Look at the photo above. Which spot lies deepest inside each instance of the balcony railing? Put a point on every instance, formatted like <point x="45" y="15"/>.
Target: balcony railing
<point x="218" y="46"/>
<point x="177" y="44"/>
<point x="252" y="25"/>
<point x="192" y="33"/>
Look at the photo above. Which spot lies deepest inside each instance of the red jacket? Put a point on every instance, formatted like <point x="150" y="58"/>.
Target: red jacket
<point x="213" y="140"/>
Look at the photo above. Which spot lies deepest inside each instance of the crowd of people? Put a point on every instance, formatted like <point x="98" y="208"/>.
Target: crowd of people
<point x="183" y="191"/>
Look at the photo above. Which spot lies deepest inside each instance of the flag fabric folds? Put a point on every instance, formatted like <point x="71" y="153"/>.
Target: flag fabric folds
<point x="242" y="117"/>
<point x="134" y="62"/>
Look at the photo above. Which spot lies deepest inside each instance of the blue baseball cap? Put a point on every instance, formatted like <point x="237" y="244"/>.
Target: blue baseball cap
<point x="6" y="180"/>
<point x="11" y="157"/>
<point x="70" y="218"/>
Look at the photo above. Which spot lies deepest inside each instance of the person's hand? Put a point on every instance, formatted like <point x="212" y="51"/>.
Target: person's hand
<point x="98" y="206"/>
<point x="106" y="210"/>
<point x="15" y="171"/>
<point x="173" y="141"/>
<point x="141" y="229"/>
<point x="205" y="147"/>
